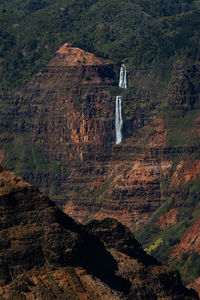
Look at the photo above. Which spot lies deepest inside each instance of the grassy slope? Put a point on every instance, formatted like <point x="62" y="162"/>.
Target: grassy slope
<point x="160" y="243"/>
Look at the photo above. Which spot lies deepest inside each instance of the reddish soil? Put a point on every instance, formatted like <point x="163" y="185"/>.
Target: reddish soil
<point x="168" y="219"/>
<point x="190" y="242"/>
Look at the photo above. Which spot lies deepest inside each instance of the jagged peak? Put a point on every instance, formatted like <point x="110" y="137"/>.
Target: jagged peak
<point x="9" y="182"/>
<point x="73" y="56"/>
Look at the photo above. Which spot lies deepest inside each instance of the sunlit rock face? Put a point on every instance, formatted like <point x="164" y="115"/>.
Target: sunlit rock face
<point x="63" y="122"/>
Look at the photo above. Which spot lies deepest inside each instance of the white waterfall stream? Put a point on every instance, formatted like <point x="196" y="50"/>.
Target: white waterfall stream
<point x="118" y="119"/>
<point x="123" y="77"/>
<point x="118" y="105"/>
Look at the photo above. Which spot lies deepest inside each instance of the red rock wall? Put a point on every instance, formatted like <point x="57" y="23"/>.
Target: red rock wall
<point x="68" y="109"/>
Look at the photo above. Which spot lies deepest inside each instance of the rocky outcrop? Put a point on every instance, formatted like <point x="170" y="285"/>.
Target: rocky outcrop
<point x="59" y="97"/>
<point x="34" y="232"/>
<point x="44" y="254"/>
<point x="185" y="172"/>
<point x="185" y="88"/>
<point x="168" y="219"/>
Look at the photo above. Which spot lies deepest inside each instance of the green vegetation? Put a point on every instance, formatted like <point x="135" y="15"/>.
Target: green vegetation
<point x="157" y="243"/>
<point x="151" y="236"/>
<point x="135" y="32"/>
<point x="98" y="194"/>
<point x="180" y="128"/>
<point x="26" y="158"/>
<point x="189" y="266"/>
<point x="150" y="231"/>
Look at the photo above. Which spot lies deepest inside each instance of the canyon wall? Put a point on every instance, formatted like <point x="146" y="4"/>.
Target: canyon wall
<point x="59" y="133"/>
<point x="64" y="122"/>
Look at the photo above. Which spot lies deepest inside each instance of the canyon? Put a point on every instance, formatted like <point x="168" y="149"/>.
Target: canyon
<point x="59" y="134"/>
<point x="67" y="113"/>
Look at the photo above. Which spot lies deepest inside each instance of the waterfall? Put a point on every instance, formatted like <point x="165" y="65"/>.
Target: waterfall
<point x="118" y="119"/>
<point x="118" y="105"/>
<point x="123" y="77"/>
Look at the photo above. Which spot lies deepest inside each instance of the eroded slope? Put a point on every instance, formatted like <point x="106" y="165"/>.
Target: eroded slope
<point x="46" y="255"/>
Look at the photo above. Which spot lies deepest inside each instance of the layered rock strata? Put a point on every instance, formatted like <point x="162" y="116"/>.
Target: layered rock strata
<point x="66" y="113"/>
<point x="190" y="241"/>
<point x="44" y="254"/>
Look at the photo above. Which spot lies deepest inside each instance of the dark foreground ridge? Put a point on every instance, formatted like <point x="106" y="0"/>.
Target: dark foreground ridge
<point x="45" y="254"/>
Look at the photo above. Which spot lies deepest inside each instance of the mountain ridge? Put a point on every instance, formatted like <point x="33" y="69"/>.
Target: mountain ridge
<point x="43" y="245"/>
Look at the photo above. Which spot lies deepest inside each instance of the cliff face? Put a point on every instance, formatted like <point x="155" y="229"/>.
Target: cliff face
<point x="59" y="133"/>
<point x="190" y="242"/>
<point x="67" y="113"/>
<point x="44" y="254"/>
<point x="59" y="96"/>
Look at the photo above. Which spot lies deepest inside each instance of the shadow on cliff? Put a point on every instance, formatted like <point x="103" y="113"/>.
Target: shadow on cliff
<point x="103" y="266"/>
<point x="90" y="253"/>
<point x="115" y="235"/>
